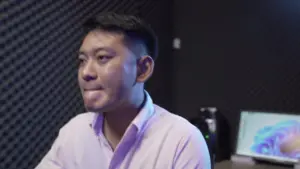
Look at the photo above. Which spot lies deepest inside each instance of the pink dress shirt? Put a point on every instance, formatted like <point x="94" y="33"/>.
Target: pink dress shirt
<point x="156" y="139"/>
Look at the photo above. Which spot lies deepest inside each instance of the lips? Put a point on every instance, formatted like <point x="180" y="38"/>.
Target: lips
<point x="93" y="88"/>
<point x="92" y="93"/>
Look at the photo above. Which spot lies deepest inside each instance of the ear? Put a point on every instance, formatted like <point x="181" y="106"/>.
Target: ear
<point x="145" y="69"/>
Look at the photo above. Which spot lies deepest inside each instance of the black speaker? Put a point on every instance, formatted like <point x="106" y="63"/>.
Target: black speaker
<point x="223" y="137"/>
<point x="205" y="123"/>
<point x="216" y="131"/>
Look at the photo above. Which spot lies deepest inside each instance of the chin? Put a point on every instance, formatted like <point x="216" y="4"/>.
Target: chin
<point x="94" y="107"/>
<point x="98" y="107"/>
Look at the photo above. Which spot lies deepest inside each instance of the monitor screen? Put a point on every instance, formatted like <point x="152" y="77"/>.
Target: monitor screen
<point x="270" y="136"/>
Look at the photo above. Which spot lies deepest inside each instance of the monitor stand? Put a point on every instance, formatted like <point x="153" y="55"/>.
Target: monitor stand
<point x="242" y="159"/>
<point x="252" y="161"/>
<point x="274" y="163"/>
<point x="297" y="166"/>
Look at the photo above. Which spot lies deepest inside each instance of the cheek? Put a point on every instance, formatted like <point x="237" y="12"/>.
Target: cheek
<point x="79" y="79"/>
<point x="110" y="72"/>
<point x="111" y="75"/>
<point x="118" y="74"/>
<point x="129" y="73"/>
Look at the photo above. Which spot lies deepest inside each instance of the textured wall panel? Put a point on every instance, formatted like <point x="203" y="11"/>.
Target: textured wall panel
<point x="38" y="71"/>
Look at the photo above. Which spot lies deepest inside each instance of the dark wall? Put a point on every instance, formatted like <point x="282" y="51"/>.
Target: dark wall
<point x="38" y="70"/>
<point x="160" y="18"/>
<point x="237" y="55"/>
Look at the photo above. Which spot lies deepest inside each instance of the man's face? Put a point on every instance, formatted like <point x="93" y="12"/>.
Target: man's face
<point x="107" y="70"/>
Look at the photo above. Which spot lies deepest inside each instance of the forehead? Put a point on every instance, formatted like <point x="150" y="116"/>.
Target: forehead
<point x="102" y="39"/>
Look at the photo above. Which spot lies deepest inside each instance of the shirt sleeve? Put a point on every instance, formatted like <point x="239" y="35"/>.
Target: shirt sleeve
<point x="192" y="152"/>
<point x="52" y="160"/>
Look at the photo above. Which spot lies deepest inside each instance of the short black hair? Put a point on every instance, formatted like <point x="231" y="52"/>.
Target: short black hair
<point x="132" y="27"/>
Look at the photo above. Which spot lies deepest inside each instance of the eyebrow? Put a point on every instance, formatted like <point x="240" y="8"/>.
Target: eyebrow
<point x="96" y="50"/>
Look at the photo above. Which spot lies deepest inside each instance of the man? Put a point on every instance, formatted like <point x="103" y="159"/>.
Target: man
<point x="123" y="129"/>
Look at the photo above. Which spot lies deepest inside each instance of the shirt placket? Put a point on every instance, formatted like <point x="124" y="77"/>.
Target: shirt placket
<point x="108" y="150"/>
<point x="123" y="148"/>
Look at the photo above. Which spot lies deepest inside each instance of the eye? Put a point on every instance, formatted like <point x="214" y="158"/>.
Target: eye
<point x="104" y="58"/>
<point x="81" y="60"/>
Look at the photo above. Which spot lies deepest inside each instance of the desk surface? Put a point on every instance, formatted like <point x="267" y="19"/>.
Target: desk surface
<point x="232" y="165"/>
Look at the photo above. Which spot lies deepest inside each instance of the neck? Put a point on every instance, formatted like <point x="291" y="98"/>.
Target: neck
<point x="117" y="121"/>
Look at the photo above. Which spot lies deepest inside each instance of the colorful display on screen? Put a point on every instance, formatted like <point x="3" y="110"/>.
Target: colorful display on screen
<point x="269" y="135"/>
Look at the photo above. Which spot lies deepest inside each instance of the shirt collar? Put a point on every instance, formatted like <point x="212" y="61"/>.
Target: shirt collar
<point x="139" y="121"/>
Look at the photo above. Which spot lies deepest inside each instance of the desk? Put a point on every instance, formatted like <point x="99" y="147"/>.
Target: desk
<point x="232" y="165"/>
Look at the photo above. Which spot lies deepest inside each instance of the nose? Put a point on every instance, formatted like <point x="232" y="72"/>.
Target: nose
<point x="89" y="72"/>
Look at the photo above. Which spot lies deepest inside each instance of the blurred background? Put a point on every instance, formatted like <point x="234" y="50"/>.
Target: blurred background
<point x="231" y="55"/>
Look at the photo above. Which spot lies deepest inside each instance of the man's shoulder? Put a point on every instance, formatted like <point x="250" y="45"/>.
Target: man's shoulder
<point x="175" y="123"/>
<point x="79" y="121"/>
<point x="191" y="150"/>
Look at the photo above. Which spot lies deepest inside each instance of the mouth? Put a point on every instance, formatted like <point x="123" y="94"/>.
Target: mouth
<point x="92" y="94"/>
<point x="92" y="89"/>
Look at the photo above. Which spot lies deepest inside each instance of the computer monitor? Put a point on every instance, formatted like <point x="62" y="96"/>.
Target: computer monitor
<point x="269" y="136"/>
